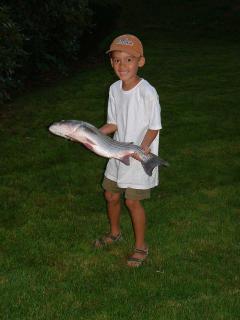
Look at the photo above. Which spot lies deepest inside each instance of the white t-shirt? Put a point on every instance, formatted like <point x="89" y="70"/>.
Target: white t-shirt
<point x="134" y="112"/>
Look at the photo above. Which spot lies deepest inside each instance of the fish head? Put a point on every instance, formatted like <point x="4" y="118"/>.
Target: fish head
<point x="66" y="128"/>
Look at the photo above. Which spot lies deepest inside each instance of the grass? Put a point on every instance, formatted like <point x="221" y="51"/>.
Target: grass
<point x="52" y="206"/>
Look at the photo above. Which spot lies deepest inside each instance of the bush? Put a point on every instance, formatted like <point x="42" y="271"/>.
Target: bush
<point x="48" y="35"/>
<point x="52" y="29"/>
<point x="12" y="54"/>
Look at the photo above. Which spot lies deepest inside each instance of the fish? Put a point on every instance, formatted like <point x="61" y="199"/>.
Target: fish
<point x="103" y="145"/>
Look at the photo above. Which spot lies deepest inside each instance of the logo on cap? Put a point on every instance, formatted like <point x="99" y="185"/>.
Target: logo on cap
<point x="125" y="42"/>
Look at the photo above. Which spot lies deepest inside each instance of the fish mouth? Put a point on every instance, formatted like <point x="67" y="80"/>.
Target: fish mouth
<point x="56" y="129"/>
<point x="53" y="128"/>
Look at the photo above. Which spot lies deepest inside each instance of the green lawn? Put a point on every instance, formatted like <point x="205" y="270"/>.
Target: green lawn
<point x="52" y="205"/>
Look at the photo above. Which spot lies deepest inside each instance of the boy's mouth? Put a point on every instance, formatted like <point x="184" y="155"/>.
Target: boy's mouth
<point x="123" y="73"/>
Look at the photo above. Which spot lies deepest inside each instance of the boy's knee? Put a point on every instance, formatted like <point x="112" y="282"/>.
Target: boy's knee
<point x="132" y="204"/>
<point x="112" y="197"/>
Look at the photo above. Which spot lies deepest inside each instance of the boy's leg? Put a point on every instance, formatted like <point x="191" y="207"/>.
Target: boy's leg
<point x="112" y="196"/>
<point x="113" y="210"/>
<point x="138" y="216"/>
<point x="139" y="222"/>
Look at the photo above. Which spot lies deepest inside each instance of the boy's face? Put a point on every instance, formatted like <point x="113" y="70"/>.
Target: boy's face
<point x="126" y="66"/>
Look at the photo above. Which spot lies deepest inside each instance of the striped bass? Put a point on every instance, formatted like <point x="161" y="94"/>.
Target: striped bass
<point x="103" y="145"/>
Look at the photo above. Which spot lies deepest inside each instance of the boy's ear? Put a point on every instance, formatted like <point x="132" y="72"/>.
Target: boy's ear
<point x="111" y="61"/>
<point x="141" y="62"/>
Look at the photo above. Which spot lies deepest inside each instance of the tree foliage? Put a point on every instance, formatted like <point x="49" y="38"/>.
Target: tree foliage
<point x="39" y="36"/>
<point x="12" y="54"/>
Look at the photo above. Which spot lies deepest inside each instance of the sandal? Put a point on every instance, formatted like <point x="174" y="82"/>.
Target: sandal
<point x="137" y="262"/>
<point x="106" y="240"/>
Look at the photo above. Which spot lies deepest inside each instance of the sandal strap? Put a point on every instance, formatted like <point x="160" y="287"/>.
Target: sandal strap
<point x="138" y="261"/>
<point x="141" y="251"/>
<point x="103" y="240"/>
<point x="114" y="238"/>
<point x="132" y="259"/>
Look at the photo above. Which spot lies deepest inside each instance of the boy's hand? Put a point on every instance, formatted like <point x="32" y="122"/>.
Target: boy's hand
<point x="145" y="149"/>
<point x="108" y="128"/>
<point x="146" y="143"/>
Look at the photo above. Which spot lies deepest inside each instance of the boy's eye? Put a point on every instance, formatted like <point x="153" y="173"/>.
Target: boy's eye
<point x="128" y="60"/>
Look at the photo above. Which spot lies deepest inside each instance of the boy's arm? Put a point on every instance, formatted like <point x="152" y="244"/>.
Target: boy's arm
<point x="108" y="128"/>
<point x="147" y="140"/>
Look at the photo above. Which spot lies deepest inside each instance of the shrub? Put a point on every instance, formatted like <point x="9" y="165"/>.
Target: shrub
<point x="11" y="54"/>
<point x="48" y="35"/>
<point x="52" y="29"/>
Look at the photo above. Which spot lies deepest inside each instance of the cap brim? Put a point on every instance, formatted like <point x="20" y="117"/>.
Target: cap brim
<point x="125" y="49"/>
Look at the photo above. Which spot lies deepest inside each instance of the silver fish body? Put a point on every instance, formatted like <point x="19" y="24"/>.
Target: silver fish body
<point x="103" y="145"/>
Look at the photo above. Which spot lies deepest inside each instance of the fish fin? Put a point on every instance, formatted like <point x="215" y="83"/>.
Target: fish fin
<point x="153" y="162"/>
<point x="88" y="146"/>
<point x="125" y="160"/>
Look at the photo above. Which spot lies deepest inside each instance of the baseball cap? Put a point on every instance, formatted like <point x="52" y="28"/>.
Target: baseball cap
<point x="127" y="43"/>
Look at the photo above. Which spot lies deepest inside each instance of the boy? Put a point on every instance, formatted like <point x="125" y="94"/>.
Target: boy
<point x="133" y="116"/>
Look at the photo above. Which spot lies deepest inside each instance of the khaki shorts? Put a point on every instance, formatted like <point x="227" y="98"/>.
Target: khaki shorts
<point x="132" y="194"/>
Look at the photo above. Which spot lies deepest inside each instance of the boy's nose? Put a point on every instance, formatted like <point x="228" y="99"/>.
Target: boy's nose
<point x="122" y="64"/>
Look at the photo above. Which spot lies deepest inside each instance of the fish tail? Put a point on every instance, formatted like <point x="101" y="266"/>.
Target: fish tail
<point x="153" y="162"/>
